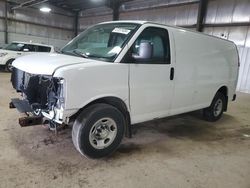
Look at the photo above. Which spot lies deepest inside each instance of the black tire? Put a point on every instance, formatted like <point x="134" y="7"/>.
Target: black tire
<point x="84" y="127"/>
<point x="214" y="112"/>
<point x="8" y="66"/>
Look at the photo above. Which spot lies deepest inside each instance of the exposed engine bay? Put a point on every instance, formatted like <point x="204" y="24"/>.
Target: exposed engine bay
<point x="42" y="93"/>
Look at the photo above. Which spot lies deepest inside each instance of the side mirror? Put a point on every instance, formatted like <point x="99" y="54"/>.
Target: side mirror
<point x="145" y="51"/>
<point x="26" y="50"/>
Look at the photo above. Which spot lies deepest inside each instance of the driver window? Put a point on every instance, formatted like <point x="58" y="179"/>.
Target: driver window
<point x="151" y="47"/>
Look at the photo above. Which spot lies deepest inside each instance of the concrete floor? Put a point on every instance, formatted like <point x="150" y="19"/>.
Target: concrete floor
<point x="182" y="151"/>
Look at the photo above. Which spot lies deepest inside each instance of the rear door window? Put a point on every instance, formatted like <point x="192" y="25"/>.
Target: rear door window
<point x="43" y="49"/>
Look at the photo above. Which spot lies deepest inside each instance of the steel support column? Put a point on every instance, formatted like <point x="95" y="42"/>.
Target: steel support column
<point x="116" y="12"/>
<point x="6" y="23"/>
<point x="76" y="23"/>
<point x="201" y="15"/>
<point x="115" y="7"/>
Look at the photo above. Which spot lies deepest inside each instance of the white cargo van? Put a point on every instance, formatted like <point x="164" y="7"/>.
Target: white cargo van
<point x="17" y="49"/>
<point x="116" y="74"/>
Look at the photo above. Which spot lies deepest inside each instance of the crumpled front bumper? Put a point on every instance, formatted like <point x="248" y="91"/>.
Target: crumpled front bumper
<point x="30" y="119"/>
<point x="59" y="116"/>
<point x="23" y="107"/>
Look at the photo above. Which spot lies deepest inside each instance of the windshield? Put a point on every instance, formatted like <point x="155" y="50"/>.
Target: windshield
<point x="103" y="42"/>
<point x="15" y="46"/>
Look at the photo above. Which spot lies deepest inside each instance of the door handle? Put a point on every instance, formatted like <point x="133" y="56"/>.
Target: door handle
<point x="172" y="73"/>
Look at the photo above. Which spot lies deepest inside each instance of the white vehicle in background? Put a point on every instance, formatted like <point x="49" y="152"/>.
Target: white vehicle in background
<point x="17" y="49"/>
<point x="117" y="74"/>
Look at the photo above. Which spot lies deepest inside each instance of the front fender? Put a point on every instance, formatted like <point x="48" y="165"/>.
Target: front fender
<point x="87" y="82"/>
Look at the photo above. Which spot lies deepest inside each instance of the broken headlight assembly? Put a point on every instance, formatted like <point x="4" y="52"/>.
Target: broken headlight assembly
<point x="60" y="93"/>
<point x="55" y="100"/>
<point x="44" y="93"/>
<point x="42" y="96"/>
<point x="53" y="94"/>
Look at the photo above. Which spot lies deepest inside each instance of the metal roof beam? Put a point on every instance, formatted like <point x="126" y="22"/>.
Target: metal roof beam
<point x="28" y="4"/>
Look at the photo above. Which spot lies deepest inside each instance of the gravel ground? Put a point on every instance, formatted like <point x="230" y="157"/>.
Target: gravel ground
<point x="181" y="151"/>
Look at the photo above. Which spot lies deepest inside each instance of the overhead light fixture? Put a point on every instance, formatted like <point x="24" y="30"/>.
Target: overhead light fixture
<point x="45" y="9"/>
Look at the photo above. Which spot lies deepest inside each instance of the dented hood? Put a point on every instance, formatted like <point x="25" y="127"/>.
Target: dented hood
<point x="46" y="63"/>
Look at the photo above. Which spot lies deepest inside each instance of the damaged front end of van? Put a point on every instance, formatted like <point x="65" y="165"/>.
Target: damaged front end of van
<point x="41" y="97"/>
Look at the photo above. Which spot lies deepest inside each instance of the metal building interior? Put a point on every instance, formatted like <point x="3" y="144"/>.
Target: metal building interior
<point x="33" y="159"/>
<point x="229" y="19"/>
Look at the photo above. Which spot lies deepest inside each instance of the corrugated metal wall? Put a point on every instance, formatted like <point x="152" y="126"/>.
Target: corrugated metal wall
<point x="161" y="12"/>
<point x="233" y="12"/>
<point x="1" y="22"/>
<point x="219" y="13"/>
<point x="244" y="74"/>
<point x="229" y="11"/>
<point x="31" y="25"/>
<point x="94" y="16"/>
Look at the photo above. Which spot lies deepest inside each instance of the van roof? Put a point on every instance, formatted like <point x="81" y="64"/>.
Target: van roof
<point x="126" y="21"/>
<point x="141" y="22"/>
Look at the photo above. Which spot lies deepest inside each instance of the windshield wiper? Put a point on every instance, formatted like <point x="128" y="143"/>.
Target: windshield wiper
<point x="77" y="52"/>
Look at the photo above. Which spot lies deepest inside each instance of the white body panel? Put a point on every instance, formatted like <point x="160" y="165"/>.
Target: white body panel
<point x="202" y="65"/>
<point x="87" y="82"/>
<point x="150" y="92"/>
<point x="150" y="86"/>
<point x="45" y="63"/>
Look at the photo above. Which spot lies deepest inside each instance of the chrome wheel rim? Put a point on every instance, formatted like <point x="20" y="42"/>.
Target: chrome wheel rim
<point x="103" y="133"/>
<point x="218" y="107"/>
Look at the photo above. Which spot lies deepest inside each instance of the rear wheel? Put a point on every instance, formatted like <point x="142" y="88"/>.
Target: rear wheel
<point x="8" y="65"/>
<point x="216" y="109"/>
<point x="98" y="130"/>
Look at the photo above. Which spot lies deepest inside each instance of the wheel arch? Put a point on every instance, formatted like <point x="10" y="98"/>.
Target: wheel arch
<point x="10" y="59"/>
<point x="224" y="90"/>
<point x="115" y="102"/>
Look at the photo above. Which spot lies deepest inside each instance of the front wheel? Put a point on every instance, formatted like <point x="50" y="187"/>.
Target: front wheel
<point x="98" y="130"/>
<point x="216" y="109"/>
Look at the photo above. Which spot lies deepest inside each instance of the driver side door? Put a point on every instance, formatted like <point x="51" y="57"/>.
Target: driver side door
<point x="150" y="75"/>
